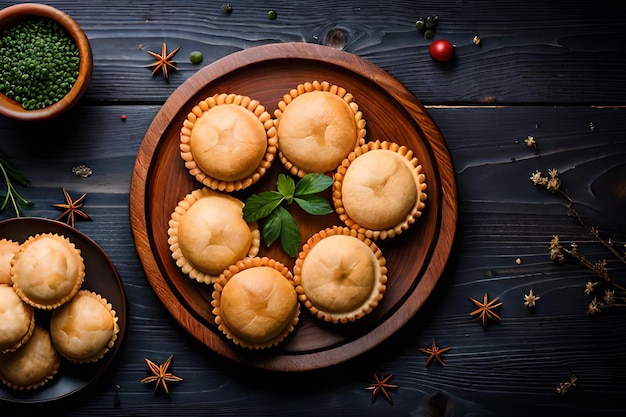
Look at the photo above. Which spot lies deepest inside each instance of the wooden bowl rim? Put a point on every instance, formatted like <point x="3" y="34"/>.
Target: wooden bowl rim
<point x="10" y="107"/>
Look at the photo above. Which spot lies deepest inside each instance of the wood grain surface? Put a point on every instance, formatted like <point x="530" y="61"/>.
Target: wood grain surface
<point x="550" y="70"/>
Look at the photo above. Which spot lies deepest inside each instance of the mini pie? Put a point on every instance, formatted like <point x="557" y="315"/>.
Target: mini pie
<point x="47" y="271"/>
<point x="318" y="125"/>
<point x="31" y="366"/>
<point x="207" y="234"/>
<point x="255" y="303"/>
<point x="228" y="142"/>
<point x="84" y="328"/>
<point x="379" y="189"/>
<point x="340" y="275"/>
<point x="8" y="248"/>
<point x="17" y="320"/>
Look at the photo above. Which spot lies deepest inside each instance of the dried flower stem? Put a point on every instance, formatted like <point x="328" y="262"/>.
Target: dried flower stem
<point x="558" y="252"/>
<point x="592" y="230"/>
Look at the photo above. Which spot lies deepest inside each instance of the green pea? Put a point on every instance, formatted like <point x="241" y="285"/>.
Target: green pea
<point x="271" y="15"/>
<point x="429" y="34"/>
<point x="195" y="57"/>
<point x="227" y="8"/>
<point x="42" y="62"/>
<point x="419" y="24"/>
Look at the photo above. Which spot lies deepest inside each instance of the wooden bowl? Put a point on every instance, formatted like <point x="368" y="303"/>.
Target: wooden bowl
<point x="10" y="16"/>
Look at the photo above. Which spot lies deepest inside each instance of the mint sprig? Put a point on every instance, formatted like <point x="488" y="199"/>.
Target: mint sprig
<point x="268" y="209"/>
<point x="10" y="174"/>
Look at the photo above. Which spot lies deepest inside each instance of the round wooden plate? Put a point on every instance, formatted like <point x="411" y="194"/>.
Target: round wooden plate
<point x="101" y="277"/>
<point x="415" y="259"/>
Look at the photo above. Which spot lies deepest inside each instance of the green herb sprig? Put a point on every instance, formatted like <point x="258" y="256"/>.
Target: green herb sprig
<point x="11" y="174"/>
<point x="277" y="223"/>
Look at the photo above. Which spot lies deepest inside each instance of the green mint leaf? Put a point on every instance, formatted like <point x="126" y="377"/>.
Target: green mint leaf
<point x="286" y="187"/>
<point x="261" y="205"/>
<point x="280" y="224"/>
<point x="314" y="204"/>
<point x="290" y="239"/>
<point x="313" y="183"/>
<point x="272" y="227"/>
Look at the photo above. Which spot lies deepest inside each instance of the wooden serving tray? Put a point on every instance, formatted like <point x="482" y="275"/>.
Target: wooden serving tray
<point x="415" y="259"/>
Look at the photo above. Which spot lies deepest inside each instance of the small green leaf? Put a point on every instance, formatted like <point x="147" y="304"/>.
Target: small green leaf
<point x="261" y="205"/>
<point x="313" y="183"/>
<point x="314" y="204"/>
<point x="272" y="227"/>
<point x="286" y="187"/>
<point x="280" y="224"/>
<point x="290" y="239"/>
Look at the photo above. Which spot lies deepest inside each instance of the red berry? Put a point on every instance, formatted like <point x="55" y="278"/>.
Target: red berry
<point x="441" y="50"/>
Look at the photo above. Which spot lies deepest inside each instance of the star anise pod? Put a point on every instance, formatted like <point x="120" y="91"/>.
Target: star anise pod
<point x="381" y="386"/>
<point x="434" y="353"/>
<point x="486" y="309"/>
<point x="164" y="61"/>
<point x="73" y="208"/>
<point x="161" y="375"/>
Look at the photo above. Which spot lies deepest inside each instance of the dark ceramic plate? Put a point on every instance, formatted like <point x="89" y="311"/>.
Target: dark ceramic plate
<point x="101" y="277"/>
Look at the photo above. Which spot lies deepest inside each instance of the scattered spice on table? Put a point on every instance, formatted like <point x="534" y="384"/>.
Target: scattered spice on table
<point x="82" y="171"/>
<point x="530" y="299"/>
<point x="72" y="208"/>
<point x="227" y="8"/>
<point x="530" y="142"/>
<point x="486" y="309"/>
<point x="567" y="386"/>
<point x="195" y="57"/>
<point x="427" y="26"/>
<point x="383" y="386"/>
<point x="163" y="61"/>
<point x="160" y="375"/>
<point x="434" y="353"/>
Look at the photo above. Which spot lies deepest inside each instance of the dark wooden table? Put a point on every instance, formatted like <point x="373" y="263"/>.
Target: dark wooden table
<point x="555" y="71"/>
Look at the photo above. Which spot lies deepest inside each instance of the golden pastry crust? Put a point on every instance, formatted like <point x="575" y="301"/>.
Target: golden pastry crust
<point x="207" y="234"/>
<point x="31" y="366"/>
<point x="228" y="142"/>
<point x="47" y="271"/>
<point x="8" y="248"/>
<point x="17" y="320"/>
<point x="318" y="125"/>
<point x="85" y="328"/>
<point x="255" y="303"/>
<point x="379" y="190"/>
<point x="340" y="275"/>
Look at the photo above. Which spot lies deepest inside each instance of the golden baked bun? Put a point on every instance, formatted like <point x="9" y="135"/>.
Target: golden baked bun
<point x="17" y="320"/>
<point x="207" y="234"/>
<point x="84" y="328"/>
<point x="340" y="275"/>
<point x="255" y="303"/>
<point x="228" y="142"/>
<point x="379" y="190"/>
<point x="47" y="271"/>
<point x="8" y="248"/>
<point x="318" y="125"/>
<point x="31" y="366"/>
